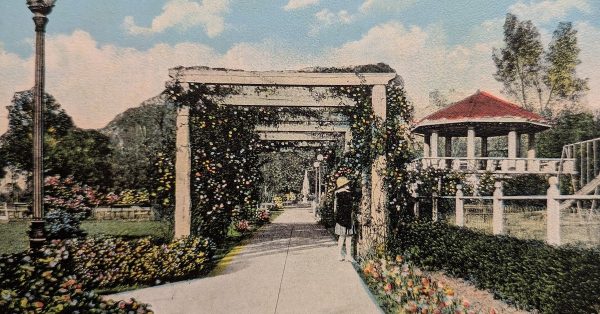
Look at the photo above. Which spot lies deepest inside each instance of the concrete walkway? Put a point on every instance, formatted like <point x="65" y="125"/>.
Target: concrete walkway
<point x="289" y="266"/>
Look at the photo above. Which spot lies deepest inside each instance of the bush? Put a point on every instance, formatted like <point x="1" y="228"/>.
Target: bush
<point x="47" y="285"/>
<point x="62" y="279"/>
<point x="110" y="262"/>
<point x="68" y="202"/>
<point x="526" y="273"/>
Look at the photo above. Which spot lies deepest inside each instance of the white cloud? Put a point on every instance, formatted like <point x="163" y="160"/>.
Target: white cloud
<point x="299" y="4"/>
<point x="327" y="17"/>
<point x="95" y="82"/>
<point x="385" y="5"/>
<point x="423" y="59"/>
<point x="548" y="10"/>
<point x="184" y="14"/>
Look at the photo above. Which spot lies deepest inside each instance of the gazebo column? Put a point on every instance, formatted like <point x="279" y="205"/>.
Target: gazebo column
<point x="183" y="170"/>
<point x="375" y="234"/>
<point x="533" y="165"/>
<point x="426" y="146"/>
<point x="512" y="144"/>
<point x="448" y="151"/>
<point x="471" y="147"/>
<point x="434" y="140"/>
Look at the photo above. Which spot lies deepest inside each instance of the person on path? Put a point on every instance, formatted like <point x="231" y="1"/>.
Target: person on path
<point x="344" y="224"/>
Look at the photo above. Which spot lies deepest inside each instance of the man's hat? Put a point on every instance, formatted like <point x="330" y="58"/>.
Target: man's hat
<point x="341" y="182"/>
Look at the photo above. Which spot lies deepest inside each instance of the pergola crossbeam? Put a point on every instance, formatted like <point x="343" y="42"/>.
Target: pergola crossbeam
<point x="277" y="78"/>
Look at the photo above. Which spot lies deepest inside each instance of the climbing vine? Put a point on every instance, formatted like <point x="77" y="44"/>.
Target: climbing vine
<point x="225" y="148"/>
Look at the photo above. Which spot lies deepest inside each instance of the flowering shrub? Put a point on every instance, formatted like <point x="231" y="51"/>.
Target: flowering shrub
<point x="403" y="288"/>
<point x="108" y="262"/>
<point x="242" y="226"/>
<point x="263" y="216"/>
<point x="134" y="197"/>
<point x="278" y="200"/>
<point x="67" y="203"/>
<point x="48" y="285"/>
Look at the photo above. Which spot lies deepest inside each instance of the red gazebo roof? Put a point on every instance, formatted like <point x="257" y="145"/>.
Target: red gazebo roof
<point x="483" y="111"/>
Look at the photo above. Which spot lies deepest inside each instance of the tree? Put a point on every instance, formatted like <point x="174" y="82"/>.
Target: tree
<point x="83" y="154"/>
<point x="569" y="128"/>
<point x="68" y="151"/>
<point x="539" y="80"/>
<point x="16" y="144"/>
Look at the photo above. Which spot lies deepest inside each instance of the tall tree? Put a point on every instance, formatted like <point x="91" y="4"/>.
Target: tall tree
<point x="68" y="151"/>
<point x="518" y="64"/>
<point x="539" y="80"/>
<point x="16" y="144"/>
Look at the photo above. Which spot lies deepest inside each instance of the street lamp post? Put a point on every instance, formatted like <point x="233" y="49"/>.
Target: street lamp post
<point x="40" y="9"/>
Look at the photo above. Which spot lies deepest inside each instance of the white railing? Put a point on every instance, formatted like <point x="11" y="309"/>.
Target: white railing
<point x="499" y="164"/>
<point x="553" y="217"/>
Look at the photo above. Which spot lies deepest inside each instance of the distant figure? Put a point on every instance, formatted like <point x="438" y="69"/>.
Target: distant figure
<point x="344" y="224"/>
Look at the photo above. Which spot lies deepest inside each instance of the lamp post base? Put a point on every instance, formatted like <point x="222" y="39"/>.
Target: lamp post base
<point x="37" y="237"/>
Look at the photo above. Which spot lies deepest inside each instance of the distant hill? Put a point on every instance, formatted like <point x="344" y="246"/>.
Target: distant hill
<point x="137" y="136"/>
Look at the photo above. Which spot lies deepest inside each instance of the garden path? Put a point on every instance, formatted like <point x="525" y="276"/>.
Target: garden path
<point x="289" y="266"/>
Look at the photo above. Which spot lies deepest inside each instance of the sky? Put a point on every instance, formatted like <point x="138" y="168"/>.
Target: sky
<point x="105" y="56"/>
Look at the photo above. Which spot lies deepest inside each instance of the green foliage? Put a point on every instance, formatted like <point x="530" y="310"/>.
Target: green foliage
<point x="140" y="138"/>
<point x="68" y="151"/>
<point x="568" y="127"/>
<point x="284" y="171"/>
<point x="539" y="80"/>
<point x="528" y="274"/>
<point x="83" y="154"/>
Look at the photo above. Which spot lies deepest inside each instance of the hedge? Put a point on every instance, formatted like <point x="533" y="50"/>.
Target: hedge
<point x="526" y="273"/>
<point x="62" y="278"/>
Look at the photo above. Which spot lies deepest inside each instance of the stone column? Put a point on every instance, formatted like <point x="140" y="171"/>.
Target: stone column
<point x="183" y="169"/>
<point x="376" y="236"/>
<point x="471" y="143"/>
<point x="426" y="145"/>
<point x="531" y="146"/>
<point x="553" y="213"/>
<point x="512" y="144"/>
<point x="434" y="144"/>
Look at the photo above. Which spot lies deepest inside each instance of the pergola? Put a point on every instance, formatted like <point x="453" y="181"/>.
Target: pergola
<point x="480" y="115"/>
<point x="295" y="89"/>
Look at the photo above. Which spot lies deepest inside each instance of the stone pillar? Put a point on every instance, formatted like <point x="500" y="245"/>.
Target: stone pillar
<point x="471" y="143"/>
<point x="183" y="169"/>
<point x="426" y="145"/>
<point x="377" y="234"/>
<point x="498" y="210"/>
<point x="512" y="144"/>
<point x="460" y="206"/>
<point x="553" y="214"/>
<point x="434" y="144"/>
<point x="448" y="148"/>
<point x="531" y="146"/>
<point x="484" y="146"/>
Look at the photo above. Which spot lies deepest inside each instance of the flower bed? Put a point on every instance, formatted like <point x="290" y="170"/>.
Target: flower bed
<point x="528" y="274"/>
<point x="64" y="276"/>
<point x="402" y="288"/>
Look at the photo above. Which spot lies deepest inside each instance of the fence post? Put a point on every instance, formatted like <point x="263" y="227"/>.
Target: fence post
<point x="434" y="206"/>
<point x="460" y="208"/>
<point x="498" y="210"/>
<point x="553" y="213"/>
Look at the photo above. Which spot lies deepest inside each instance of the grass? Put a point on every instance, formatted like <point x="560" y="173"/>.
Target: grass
<point x="14" y="238"/>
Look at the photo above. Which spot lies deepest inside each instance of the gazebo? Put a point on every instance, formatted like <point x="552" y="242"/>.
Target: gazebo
<point x="485" y="115"/>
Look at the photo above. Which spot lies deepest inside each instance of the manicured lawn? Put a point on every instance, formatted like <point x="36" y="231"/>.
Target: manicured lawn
<point x="13" y="235"/>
